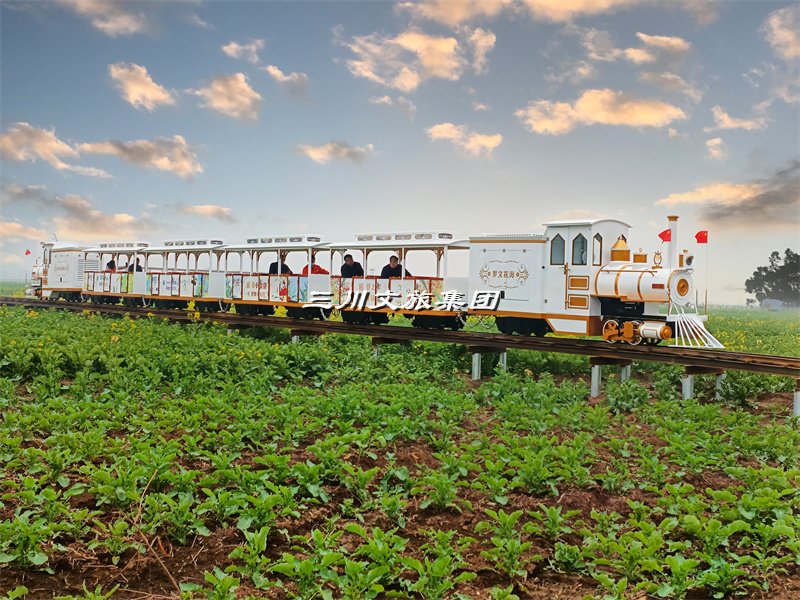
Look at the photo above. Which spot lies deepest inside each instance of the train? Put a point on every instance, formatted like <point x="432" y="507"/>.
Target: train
<point x="577" y="278"/>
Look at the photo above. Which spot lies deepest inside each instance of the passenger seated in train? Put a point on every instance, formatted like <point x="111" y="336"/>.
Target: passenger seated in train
<point x="138" y="266"/>
<point x="350" y="268"/>
<point x="393" y="269"/>
<point x="315" y="268"/>
<point x="111" y="266"/>
<point x="285" y="270"/>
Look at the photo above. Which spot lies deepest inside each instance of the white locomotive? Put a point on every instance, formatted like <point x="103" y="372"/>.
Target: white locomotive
<point x="578" y="278"/>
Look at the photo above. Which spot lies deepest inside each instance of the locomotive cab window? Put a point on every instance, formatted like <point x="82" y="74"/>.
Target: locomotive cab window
<point x="557" y="251"/>
<point x="579" y="248"/>
<point x="597" y="250"/>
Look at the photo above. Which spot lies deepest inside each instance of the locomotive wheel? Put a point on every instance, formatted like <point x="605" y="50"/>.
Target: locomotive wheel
<point x="610" y="330"/>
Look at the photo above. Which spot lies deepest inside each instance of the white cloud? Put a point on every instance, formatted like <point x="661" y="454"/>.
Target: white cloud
<point x="566" y="10"/>
<point x="716" y="149"/>
<point x="600" y="46"/>
<point x="780" y="82"/>
<point x="84" y="222"/>
<point x="675" y="134"/>
<point x="198" y="21"/>
<point x="672" y="82"/>
<point x="248" y="52"/>
<point x="296" y="83"/>
<point x="480" y="106"/>
<point x="209" y="211"/>
<point x="665" y="43"/>
<point x="11" y="259"/>
<point x="721" y="192"/>
<point x="781" y="29"/>
<point x="325" y="153"/>
<point x="456" y="12"/>
<point x="24" y="142"/>
<point x="14" y="192"/>
<point x="603" y="107"/>
<point x="476" y="144"/>
<point x="772" y="202"/>
<point x="453" y="13"/>
<point x="73" y="217"/>
<point x="401" y="103"/>
<point x="12" y="230"/>
<point x="173" y="155"/>
<point x="231" y="95"/>
<point x="722" y="120"/>
<point x="482" y="41"/>
<point x="406" y="60"/>
<point x="109" y="16"/>
<point x="573" y="72"/>
<point x="138" y="88"/>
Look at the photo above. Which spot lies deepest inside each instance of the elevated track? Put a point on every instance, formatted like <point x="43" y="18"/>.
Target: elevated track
<point x="600" y="352"/>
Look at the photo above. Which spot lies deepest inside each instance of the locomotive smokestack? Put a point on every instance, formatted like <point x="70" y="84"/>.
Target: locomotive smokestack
<point x="673" y="241"/>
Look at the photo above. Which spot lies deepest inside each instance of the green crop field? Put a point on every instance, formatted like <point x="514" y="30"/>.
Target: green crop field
<point x="143" y="459"/>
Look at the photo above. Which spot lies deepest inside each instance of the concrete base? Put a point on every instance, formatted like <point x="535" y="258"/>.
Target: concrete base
<point x="597" y="380"/>
<point x="687" y="387"/>
<point x="295" y="339"/>
<point x="625" y="373"/>
<point x="476" y="366"/>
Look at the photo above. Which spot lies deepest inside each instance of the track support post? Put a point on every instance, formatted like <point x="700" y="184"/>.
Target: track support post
<point x="687" y="381"/>
<point x="796" y="404"/>
<point x="503" y="362"/>
<point x="597" y="380"/>
<point x="377" y="342"/>
<point x="598" y="362"/>
<point x="718" y="386"/>
<point x="476" y="366"/>
<point x="687" y="387"/>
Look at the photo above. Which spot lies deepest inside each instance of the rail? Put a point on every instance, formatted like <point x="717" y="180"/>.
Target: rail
<point x="489" y="342"/>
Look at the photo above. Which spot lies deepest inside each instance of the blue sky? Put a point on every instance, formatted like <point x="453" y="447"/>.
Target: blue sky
<point x="150" y="121"/>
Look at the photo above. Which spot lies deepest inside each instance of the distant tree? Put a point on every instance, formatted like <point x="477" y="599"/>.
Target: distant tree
<point x="780" y="280"/>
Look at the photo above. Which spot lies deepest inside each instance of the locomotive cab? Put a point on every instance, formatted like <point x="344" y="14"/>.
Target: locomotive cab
<point x="62" y="269"/>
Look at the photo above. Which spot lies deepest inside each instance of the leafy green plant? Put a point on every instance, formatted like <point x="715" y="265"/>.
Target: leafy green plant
<point x="115" y="538"/>
<point x="625" y="396"/>
<point x="222" y="586"/>
<point x="251" y="554"/>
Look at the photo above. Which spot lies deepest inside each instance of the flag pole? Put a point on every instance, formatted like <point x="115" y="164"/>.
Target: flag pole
<point x="706" y="308"/>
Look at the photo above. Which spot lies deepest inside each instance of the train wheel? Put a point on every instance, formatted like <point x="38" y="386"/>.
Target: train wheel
<point x="540" y="328"/>
<point x="610" y="331"/>
<point x="504" y="325"/>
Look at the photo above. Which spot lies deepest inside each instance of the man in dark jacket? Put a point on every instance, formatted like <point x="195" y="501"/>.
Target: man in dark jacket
<point x="393" y="269"/>
<point x="285" y="270"/>
<point x="350" y="268"/>
<point x="273" y="269"/>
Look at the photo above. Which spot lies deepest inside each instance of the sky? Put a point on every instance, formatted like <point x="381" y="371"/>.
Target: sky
<point x="152" y="121"/>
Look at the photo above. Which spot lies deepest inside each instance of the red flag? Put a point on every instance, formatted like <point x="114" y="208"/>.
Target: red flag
<point x="27" y="252"/>
<point x="701" y="237"/>
<point x="666" y="235"/>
